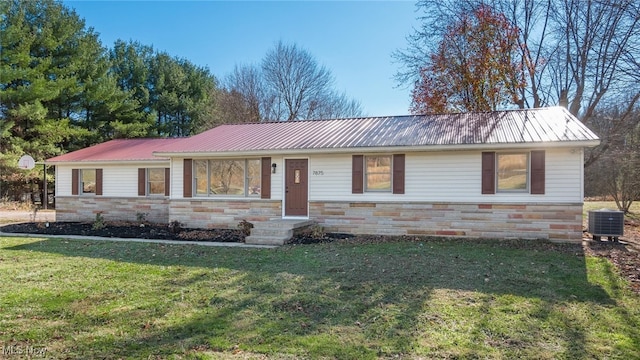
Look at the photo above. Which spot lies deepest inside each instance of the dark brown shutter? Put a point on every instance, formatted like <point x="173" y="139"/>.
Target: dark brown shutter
<point x="98" y="181"/>
<point x="357" y="174"/>
<point x="75" y="178"/>
<point x="187" y="179"/>
<point x="398" y="174"/>
<point x="167" y="181"/>
<point x="142" y="182"/>
<point x="537" y="172"/>
<point x="488" y="172"/>
<point x="265" y="185"/>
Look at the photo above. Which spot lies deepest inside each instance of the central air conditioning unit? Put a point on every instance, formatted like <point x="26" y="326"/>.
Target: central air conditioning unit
<point x="604" y="222"/>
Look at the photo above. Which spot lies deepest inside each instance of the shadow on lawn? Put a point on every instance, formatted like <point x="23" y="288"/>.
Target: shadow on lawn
<point x="292" y="297"/>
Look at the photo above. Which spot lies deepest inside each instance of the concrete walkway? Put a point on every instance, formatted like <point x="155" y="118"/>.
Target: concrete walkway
<point x="154" y="241"/>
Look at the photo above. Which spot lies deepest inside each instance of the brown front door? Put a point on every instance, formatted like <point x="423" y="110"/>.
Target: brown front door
<point x="296" y="188"/>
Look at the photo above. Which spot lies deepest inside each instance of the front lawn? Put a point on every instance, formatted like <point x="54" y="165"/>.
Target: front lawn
<point x="422" y="299"/>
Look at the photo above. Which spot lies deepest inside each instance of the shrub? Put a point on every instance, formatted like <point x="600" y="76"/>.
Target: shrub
<point x="98" y="223"/>
<point x="141" y="218"/>
<point x="175" y="226"/>
<point x="245" y="226"/>
<point x="317" y="232"/>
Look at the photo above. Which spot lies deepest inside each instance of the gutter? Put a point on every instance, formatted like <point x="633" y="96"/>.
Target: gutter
<point x="108" y="162"/>
<point x="378" y="149"/>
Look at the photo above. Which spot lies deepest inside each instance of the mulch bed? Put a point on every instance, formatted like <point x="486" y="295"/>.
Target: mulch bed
<point x="127" y="230"/>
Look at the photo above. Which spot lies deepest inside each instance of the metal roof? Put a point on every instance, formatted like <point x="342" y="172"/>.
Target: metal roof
<point x="545" y="125"/>
<point x="117" y="150"/>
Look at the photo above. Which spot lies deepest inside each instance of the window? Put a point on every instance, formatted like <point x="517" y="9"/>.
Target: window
<point x="512" y="171"/>
<point x="378" y="173"/>
<point x="155" y="182"/>
<point x="201" y="177"/>
<point x="253" y="177"/>
<point x="228" y="177"/>
<point x="88" y="181"/>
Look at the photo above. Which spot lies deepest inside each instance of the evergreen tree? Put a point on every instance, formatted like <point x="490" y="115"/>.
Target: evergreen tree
<point x="38" y="83"/>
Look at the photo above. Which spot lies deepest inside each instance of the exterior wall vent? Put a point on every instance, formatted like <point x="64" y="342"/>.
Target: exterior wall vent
<point x="606" y="222"/>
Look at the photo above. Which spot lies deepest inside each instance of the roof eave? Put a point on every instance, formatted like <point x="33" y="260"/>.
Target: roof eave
<point x="422" y="148"/>
<point x="110" y="162"/>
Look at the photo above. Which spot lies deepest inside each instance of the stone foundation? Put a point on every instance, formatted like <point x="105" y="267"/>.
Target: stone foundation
<point x="560" y="222"/>
<point x="85" y="208"/>
<point x="220" y="213"/>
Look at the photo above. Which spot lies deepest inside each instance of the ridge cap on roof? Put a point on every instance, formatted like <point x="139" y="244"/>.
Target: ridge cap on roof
<point x="318" y="120"/>
<point x="399" y="116"/>
<point x="555" y="107"/>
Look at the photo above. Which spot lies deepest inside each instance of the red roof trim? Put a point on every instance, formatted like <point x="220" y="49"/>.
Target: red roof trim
<point x="118" y="150"/>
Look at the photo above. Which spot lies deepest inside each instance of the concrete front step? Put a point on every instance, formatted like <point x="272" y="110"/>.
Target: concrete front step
<point x="266" y="240"/>
<point x="283" y="223"/>
<point x="275" y="231"/>
<point x="271" y="232"/>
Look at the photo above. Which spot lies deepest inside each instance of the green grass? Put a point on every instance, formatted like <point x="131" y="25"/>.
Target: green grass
<point x="429" y="299"/>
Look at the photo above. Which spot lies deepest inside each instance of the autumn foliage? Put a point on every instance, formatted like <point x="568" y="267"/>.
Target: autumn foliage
<point x="473" y="67"/>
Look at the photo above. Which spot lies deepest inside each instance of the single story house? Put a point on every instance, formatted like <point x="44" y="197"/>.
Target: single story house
<point x="502" y="174"/>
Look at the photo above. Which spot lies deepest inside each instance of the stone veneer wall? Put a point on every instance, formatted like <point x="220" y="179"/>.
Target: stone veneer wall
<point x="85" y="208"/>
<point x="220" y="213"/>
<point x="561" y="222"/>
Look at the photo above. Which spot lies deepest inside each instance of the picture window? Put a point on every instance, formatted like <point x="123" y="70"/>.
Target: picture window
<point x="88" y="181"/>
<point x="378" y="173"/>
<point x="512" y="172"/>
<point x="237" y="177"/>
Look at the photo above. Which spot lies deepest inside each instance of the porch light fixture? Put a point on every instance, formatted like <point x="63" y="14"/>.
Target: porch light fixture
<point x="273" y="168"/>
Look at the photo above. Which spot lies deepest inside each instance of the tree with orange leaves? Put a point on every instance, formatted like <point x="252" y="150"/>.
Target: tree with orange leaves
<point x="474" y="67"/>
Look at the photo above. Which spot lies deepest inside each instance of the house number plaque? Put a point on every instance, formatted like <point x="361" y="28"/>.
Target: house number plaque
<point x="318" y="172"/>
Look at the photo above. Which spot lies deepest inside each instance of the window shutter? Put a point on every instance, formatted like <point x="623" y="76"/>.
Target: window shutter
<point x="537" y="172"/>
<point x="357" y="174"/>
<point x="142" y="182"/>
<point x="75" y="178"/>
<point x="167" y="181"/>
<point x="265" y="184"/>
<point x="98" y="181"/>
<point x="488" y="172"/>
<point x="398" y="174"/>
<point x="187" y="180"/>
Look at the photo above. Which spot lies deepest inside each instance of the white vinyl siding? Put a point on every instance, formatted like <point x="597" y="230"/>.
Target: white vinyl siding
<point x="453" y="176"/>
<point x="118" y="180"/>
<point x="177" y="184"/>
<point x="277" y="178"/>
<point x="447" y="177"/>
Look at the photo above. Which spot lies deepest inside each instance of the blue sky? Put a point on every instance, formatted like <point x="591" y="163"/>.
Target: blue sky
<point x="354" y="39"/>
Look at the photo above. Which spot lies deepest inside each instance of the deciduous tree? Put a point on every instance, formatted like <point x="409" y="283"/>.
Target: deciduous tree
<point x="289" y="84"/>
<point x="581" y="54"/>
<point x="617" y="172"/>
<point x="474" y="67"/>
